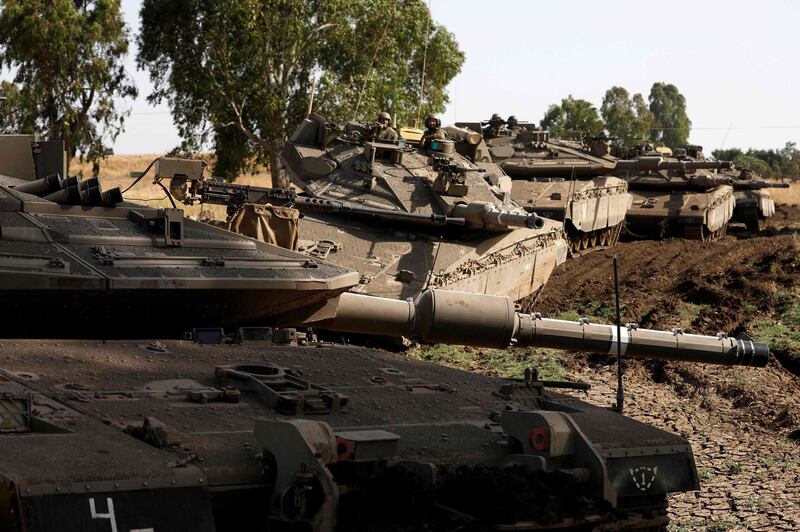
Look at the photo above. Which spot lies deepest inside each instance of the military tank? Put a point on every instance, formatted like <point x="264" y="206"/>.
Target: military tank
<point x="754" y="202"/>
<point x="149" y="382"/>
<point x="562" y="180"/>
<point x="677" y="195"/>
<point x="436" y="219"/>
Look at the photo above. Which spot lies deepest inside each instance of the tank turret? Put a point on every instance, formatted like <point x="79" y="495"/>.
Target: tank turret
<point x="561" y="180"/>
<point x="684" y="195"/>
<point x="410" y="218"/>
<point x="755" y="204"/>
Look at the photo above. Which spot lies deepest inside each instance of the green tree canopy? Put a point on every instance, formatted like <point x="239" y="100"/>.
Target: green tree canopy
<point x="671" y="124"/>
<point x="628" y="119"/>
<point x="239" y="73"/>
<point x="774" y="163"/>
<point x="572" y="119"/>
<point x="65" y="57"/>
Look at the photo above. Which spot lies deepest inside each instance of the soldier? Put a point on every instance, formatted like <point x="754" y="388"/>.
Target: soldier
<point x="512" y="122"/>
<point x="495" y="128"/>
<point x="433" y="131"/>
<point x="386" y="132"/>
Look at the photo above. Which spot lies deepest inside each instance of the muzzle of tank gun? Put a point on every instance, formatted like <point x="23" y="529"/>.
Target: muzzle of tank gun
<point x="42" y="186"/>
<point x="440" y="316"/>
<point x="480" y="215"/>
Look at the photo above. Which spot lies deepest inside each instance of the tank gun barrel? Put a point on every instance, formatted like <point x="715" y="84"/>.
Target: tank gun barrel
<point x="756" y="185"/>
<point x="439" y="316"/>
<point x="480" y="214"/>
<point x="654" y="164"/>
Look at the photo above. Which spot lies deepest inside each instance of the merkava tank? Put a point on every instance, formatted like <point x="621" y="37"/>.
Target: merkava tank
<point x="409" y="218"/>
<point x="148" y="382"/>
<point x="676" y="195"/>
<point x="561" y="180"/>
<point x="755" y="204"/>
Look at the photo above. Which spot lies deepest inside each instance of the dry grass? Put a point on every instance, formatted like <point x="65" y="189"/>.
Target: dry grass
<point x="788" y="196"/>
<point x="115" y="171"/>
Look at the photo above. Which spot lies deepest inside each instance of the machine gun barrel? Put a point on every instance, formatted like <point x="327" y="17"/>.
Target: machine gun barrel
<point x="327" y="205"/>
<point x="234" y="196"/>
<point x="439" y="316"/>
<point x="654" y="164"/>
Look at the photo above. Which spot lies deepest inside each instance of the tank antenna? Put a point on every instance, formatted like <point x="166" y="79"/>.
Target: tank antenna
<point x="620" y="390"/>
<point x="424" y="63"/>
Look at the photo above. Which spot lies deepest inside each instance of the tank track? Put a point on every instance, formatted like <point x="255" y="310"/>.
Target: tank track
<point x="702" y="233"/>
<point x="753" y="220"/>
<point x="581" y="242"/>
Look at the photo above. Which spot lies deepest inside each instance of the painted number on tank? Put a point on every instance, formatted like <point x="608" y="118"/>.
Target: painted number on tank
<point x="109" y="514"/>
<point x="643" y="477"/>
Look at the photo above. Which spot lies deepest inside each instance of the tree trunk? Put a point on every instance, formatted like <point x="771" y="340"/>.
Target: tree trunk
<point x="279" y="178"/>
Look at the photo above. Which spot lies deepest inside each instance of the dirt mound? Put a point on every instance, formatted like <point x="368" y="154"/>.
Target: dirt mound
<point x="694" y="285"/>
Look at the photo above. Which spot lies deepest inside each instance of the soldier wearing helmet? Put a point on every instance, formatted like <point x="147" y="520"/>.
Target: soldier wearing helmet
<point x="385" y="131"/>
<point x="512" y="122"/>
<point x="496" y="127"/>
<point x="433" y="131"/>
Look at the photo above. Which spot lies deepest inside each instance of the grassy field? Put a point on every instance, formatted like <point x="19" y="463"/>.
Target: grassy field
<point x="115" y="171"/>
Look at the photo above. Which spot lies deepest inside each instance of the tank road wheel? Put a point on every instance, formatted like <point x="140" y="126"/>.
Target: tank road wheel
<point x="584" y="241"/>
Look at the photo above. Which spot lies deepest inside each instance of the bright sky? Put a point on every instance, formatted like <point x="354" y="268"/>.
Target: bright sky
<point x="735" y="62"/>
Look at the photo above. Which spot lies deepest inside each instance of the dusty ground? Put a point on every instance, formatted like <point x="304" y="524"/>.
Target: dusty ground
<point x="742" y="423"/>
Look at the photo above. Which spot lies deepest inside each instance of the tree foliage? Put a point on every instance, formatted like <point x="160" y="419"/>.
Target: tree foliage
<point x="671" y="124"/>
<point x="782" y="163"/>
<point x="238" y="73"/>
<point x="65" y="57"/>
<point x="627" y="119"/>
<point x="573" y="118"/>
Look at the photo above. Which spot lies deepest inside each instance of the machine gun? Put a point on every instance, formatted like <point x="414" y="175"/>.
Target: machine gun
<point x="451" y="178"/>
<point x="186" y="184"/>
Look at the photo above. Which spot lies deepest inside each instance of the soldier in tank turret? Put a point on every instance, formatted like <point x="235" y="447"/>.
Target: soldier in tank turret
<point x="496" y="127"/>
<point x="512" y="123"/>
<point x="433" y="131"/>
<point x="386" y="131"/>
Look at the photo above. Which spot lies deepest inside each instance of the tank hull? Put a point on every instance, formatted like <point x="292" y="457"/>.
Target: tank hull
<point x="401" y="262"/>
<point x="753" y="208"/>
<point x="592" y="211"/>
<point x="76" y="469"/>
<point x="563" y="181"/>
<point x="693" y="215"/>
